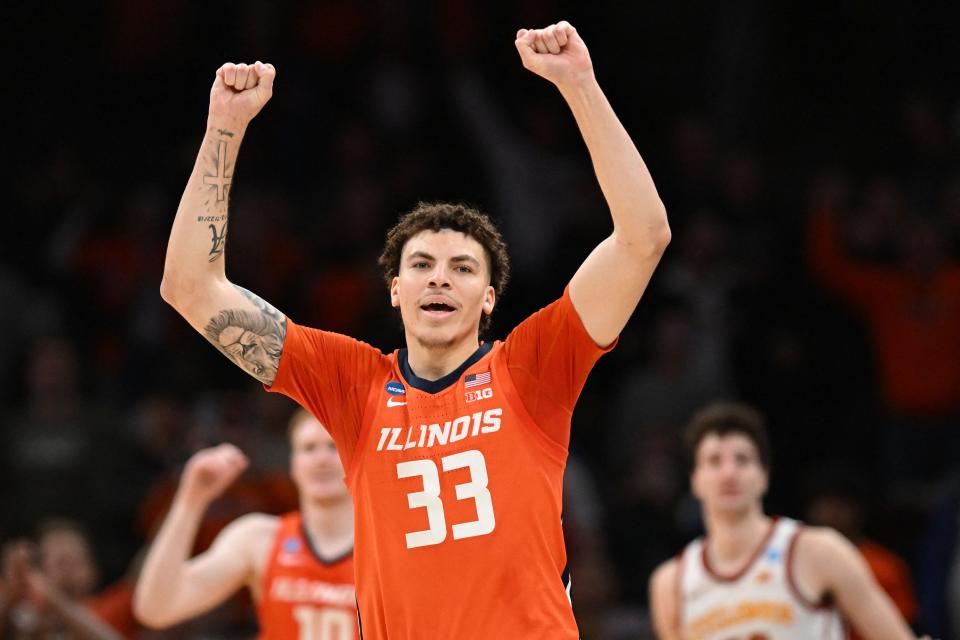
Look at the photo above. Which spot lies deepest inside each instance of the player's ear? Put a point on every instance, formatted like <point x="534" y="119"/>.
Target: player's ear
<point x="489" y="300"/>
<point x="694" y="489"/>
<point x="395" y="292"/>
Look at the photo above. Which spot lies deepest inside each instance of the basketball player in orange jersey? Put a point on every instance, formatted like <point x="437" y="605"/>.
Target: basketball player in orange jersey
<point x="454" y="449"/>
<point x="755" y="577"/>
<point x="298" y="567"/>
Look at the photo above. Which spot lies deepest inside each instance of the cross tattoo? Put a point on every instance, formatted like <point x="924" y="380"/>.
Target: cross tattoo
<point x="221" y="179"/>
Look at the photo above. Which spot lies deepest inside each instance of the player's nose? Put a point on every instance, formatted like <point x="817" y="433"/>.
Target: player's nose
<point x="728" y="469"/>
<point x="439" y="276"/>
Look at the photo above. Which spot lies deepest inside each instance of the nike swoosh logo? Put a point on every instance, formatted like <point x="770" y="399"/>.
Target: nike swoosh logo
<point x="393" y="403"/>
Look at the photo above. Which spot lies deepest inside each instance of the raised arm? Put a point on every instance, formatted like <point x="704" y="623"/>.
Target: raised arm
<point x="607" y="287"/>
<point x="245" y="328"/>
<point x="172" y="587"/>
<point x="862" y="283"/>
<point x="829" y="563"/>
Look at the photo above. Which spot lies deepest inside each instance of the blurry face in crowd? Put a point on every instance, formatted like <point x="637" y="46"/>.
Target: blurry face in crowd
<point x="442" y="288"/>
<point x="728" y="476"/>
<point x="314" y="462"/>
<point x="67" y="561"/>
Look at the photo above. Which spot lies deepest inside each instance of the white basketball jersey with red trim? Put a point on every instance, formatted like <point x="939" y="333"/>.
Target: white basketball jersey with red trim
<point x="761" y="602"/>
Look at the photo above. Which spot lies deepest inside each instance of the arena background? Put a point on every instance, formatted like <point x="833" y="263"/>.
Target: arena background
<point x="763" y="123"/>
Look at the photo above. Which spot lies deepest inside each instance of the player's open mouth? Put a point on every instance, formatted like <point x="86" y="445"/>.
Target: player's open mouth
<point x="437" y="309"/>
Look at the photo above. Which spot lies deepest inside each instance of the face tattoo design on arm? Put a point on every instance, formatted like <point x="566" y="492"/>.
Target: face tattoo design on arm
<point x="252" y="339"/>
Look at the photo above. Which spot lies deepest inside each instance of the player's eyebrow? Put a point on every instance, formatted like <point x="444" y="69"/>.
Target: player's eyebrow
<point x="420" y="254"/>
<point x="464" y="257"/>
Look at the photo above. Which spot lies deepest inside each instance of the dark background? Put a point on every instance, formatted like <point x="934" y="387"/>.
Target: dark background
<point x="755" y="118"/>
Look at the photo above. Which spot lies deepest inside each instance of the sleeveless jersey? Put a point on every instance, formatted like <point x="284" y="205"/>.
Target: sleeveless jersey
<point x="457" y="483"/>
<point x="303" y="597"/>
<point x="760" y="602"/>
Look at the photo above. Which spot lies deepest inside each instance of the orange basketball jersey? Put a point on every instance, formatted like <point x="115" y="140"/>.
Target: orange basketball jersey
<point x="456" y="483"/>
<point x="303" y="596"/>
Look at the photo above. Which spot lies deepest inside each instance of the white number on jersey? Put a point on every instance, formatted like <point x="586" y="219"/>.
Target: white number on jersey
<point x="429" y="498"/>
<point x="324" y="623"/>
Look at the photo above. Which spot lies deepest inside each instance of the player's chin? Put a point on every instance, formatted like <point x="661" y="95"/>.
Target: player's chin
<point x="431" y="321"/>
<point x="437" y="336"/>
<point x="326" y="492"/>
<point x="732" y="502"/>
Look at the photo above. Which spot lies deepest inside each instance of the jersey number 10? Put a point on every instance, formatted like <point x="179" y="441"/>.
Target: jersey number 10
<point x="429" y="498"/>
<point x="324" y="623"/>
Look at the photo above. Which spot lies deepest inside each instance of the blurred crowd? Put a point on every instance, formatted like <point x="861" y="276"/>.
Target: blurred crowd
<point x="814" y="271"/>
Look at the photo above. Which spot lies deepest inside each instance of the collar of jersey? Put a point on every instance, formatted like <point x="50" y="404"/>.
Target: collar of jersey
<point x="319" y="557"/>
<point x="436" y="386"/>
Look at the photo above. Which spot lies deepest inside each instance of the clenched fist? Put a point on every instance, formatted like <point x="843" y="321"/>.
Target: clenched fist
<point x="17" y="561"/>
<point x="556" y="53"/>
<point x="240" y="90"/>
<point x="209" y="472"/>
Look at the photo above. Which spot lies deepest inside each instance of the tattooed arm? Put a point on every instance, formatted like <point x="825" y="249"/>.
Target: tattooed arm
<point x="245" y="328"/>
<point x="251" y="338"/>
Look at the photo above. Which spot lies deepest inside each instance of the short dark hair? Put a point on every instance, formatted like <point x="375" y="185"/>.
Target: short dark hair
<point x="724" y="418"/>
<point x="437" y="216"/>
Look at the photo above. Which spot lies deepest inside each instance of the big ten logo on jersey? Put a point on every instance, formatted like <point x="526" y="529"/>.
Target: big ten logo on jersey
<point x="437" y="434"/>
<point x="478" y="394"/>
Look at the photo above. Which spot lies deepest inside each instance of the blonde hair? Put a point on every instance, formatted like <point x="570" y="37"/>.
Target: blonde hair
<point x="296" y="419"/>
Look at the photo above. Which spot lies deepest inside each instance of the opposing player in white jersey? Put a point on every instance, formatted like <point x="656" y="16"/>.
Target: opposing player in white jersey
<point x="753" y="576"/>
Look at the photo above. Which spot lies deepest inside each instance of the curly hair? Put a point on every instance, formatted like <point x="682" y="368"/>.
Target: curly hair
<point x="437" y="216"/>
<point x="725" y="418"/>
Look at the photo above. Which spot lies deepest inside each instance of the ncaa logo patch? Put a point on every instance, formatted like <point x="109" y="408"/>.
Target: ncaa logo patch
<point x="395" y="389"/>
<point x="291" y="545"/>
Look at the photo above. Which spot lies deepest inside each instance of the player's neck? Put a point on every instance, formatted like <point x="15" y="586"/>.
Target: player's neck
<point x="329" y="525"/>
<point x="433" y="362"/>
<point x="733" y="538"/>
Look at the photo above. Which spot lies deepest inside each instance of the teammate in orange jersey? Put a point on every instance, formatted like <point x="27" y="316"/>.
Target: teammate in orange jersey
<point x="298" y="567"/>
<point x="754" y="576"/>
<point x="454" y="449"/>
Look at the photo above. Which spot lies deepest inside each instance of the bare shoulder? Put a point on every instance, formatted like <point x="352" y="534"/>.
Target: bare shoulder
<point x="664" y="607"/>
<point x="663" y="586"/>
<point x="835" y="565"/>
<point x="823" y="558"/>
<point x="821" y="544"/>
<point x="665" y="575"/>
<point x="257" y="525"/>
<point x="250" y="533"/>
<point x="251" y="537"/>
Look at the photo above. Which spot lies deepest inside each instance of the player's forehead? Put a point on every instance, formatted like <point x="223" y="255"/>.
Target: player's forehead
<point x="731" y="443"/>
<point x="309" y="430"/>
<point x="445" y="244"/>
